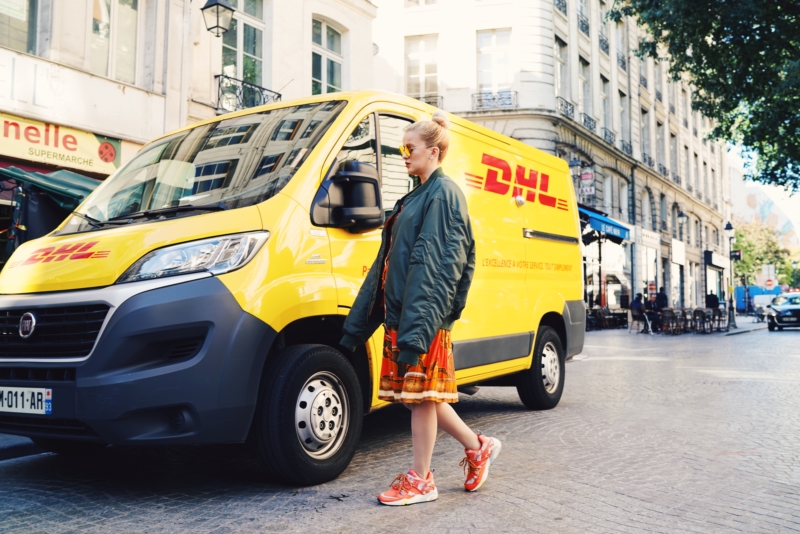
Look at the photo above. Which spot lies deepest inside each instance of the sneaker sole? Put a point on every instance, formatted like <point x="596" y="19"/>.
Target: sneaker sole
<point x="495" y="452"/>
<point x="428" y="497"/>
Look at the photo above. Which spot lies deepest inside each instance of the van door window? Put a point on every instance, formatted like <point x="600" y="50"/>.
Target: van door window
<point x="395" y="181"/>
<point x="362" y="143"/>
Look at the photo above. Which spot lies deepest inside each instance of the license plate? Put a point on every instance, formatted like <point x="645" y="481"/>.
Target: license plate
<point x="26" y="400"/>
<point x="789" y="318"/>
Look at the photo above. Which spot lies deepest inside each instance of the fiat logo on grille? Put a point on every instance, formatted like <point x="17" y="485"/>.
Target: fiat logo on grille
<point x="27" y="324"/>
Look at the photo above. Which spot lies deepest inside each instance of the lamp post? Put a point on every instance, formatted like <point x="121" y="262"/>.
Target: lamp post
<point x="217" y="15"/>
<point x="731" y="311"/>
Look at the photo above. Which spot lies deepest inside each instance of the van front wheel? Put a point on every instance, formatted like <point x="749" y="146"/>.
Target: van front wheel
<point x="540" y="387"/>
<point x="308" y="419"/>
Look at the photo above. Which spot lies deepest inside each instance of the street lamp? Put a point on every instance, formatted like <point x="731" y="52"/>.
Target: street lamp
<point x="217" y="15"/>
<point x="731" y="311"/>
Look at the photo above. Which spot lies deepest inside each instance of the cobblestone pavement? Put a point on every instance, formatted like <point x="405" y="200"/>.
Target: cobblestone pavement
<point x="653" y="434"/>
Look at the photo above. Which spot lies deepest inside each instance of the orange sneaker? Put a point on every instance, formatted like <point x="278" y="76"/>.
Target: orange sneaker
<point x="476" y="464"/>
<point x="409" y="488"/>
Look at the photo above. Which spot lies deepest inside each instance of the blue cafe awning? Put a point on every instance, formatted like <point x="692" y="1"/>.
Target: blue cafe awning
<point x="604" y="225"/>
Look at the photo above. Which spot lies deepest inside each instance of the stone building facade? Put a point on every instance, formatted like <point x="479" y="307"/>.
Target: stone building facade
<point x="554" y="74"/>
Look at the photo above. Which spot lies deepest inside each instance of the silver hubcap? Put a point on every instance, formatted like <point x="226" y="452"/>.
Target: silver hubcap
<point x="321" y="415"/>
<point x="551" y="368"/>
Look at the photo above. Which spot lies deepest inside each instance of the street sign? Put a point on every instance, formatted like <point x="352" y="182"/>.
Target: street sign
<point x="587" y="190"/>
<point x="651" y="287"/>
<point x="770" y="283"/>
<point x="736" y="255"/>
<point x="587" y="176"/>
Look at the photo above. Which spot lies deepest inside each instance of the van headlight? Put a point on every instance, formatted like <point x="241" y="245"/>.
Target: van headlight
<point x="217" y="255"/>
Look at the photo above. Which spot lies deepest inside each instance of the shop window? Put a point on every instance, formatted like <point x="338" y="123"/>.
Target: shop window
<point x="115" y="34"/>
<point x="326" y="58"/>
<point x="422" y="77"/>
<point x="18" y="25"/>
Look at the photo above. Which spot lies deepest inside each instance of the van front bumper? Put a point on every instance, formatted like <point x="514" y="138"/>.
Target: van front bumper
<point x="176" y="362"/>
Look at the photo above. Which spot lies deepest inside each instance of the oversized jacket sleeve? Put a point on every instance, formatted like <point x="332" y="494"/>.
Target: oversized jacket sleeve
<point x="358" y="326"/>
<point x="437" y="267"/>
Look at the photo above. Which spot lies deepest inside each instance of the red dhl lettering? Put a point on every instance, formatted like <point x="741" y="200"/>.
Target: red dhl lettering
<point x="526" y="182"/>
<point x="77" y="251"/>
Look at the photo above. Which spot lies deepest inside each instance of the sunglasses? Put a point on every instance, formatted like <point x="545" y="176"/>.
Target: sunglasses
<point x="406" y="151"/>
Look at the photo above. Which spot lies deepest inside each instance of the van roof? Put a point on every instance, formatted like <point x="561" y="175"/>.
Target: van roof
<point x="362" y="98"/>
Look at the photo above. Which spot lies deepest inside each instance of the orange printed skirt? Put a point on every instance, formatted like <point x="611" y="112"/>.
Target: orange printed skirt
<point x="432" y="379"/>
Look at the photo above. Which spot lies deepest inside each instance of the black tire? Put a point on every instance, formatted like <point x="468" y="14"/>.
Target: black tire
<point x="67" y="447"/>
<point x="288" y="440"/>
<point x="537" y="387"/>
<point x="770" y="325"/>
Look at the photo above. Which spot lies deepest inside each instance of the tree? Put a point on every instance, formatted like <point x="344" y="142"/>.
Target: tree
<point x="759" y="245"/>
<point x="743" y="57"/>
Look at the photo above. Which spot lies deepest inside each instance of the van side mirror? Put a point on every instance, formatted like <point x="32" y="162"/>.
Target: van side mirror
<point x="350" y="198"/>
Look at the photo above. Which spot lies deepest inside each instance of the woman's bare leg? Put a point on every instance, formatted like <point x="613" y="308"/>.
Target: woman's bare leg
<point x="423" y="435"/>
<point x="450" y="422"/>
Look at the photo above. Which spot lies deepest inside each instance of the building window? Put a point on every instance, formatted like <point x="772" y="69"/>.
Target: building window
<point x="660" y="143"/>
<point x="604" y="85"/>
<point x="494" y="60"/>
<point x="705" y="178"/>
<point x="243" y="45"/>
<point x="422" y="77"/>
<point x="645" y="132"/>
<point x="585" y="87"/>
<point x="643" y="72"/>
<point x="673" y="153"/>
<point x="623" y="116"/>
<point x="657" y="78"/>
<point x="608" y="200"/>
<point x="18" y="25"/>
<point x="562" y="76"/>
<point x="685" y="100"/>
<point x="686" y="163"/>
<point x="713" y="185"/>
<point x="697" y="173"/>
<point x="115" y="25"/>
<point x="326" y="58"/>
<point x="417" y="3"/>
<point x="623" y="200"/>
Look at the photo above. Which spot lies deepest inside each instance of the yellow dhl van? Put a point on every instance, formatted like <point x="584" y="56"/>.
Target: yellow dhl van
<point x="197" y="296"/>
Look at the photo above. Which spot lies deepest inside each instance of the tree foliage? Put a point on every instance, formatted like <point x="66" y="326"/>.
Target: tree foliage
<point x="743" y="57"/>
<point x="759" y="245"/>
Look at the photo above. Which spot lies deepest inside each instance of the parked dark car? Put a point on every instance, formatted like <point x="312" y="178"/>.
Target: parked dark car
<point x="784" y="311"/>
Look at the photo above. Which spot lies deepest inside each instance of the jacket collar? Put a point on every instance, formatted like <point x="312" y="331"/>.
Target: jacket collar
<point x="438" y="173"/>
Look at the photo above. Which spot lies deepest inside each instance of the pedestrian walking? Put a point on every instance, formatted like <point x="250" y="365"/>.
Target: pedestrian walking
<point x="417" y="287"/>
<point x="662" y="301"/>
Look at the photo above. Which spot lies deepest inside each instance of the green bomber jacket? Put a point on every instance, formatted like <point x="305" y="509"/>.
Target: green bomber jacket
<point x="431" y="264"/>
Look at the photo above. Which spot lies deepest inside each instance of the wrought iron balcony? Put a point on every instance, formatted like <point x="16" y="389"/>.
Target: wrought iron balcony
<point x="233" y="94"/>
<point x="604" y="44"/>
<point x="621" y="61"/>
<point x="501" y="100"/>
<point x="565" y="108"/>
<point x="659" y="96"/>
<point x="676" y="178"/>
<point x="588" y="122"/>
<point x="609" y="136"/>
<point x="672" y="108"/>
<point x="583" y="23"/>
<point x="432" y="100"/>
<point x="627" y="148"/>
<point x="689" y="187"/>
<point x="643" y="81"/>
<point x="663" y="170"/>
<point x="561" y="5"/>
<point x="647" y="160"/>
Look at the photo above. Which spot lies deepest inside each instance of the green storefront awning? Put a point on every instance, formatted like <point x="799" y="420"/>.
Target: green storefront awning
<point x="66" y="188"/>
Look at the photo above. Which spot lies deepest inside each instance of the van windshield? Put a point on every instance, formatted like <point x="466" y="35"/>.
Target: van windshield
<point x="228" y="164"/>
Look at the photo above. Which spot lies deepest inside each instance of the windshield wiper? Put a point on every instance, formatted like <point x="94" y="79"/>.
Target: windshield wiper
<point x="167" y="211"/>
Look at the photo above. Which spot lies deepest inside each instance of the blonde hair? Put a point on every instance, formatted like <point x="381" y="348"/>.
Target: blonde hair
<point x="435" y="132"/>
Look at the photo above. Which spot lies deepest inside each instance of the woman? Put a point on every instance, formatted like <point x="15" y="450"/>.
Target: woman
<point x="417" y="288"/>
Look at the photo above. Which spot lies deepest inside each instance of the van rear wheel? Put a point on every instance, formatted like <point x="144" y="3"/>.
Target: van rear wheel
<point x="541" y="386"/>
<point x="309" y="415"/>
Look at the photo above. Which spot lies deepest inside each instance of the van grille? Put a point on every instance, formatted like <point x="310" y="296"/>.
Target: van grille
<point x="60" y="332"/>
<point x="44" y="426"/>
<point x="36" y="374"/>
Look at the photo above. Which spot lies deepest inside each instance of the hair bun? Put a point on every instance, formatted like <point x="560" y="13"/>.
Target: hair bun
<point x="441" y="119"/>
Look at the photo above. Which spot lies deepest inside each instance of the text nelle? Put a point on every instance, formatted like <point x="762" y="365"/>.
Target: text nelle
<point x="33" y="135"/>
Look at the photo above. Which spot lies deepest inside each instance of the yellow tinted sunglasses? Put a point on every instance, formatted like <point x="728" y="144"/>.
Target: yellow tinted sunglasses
<point x="406" y="151"/>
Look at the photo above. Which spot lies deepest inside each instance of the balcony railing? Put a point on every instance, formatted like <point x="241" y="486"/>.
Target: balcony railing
<point x="561" y="5"/>
<point x="659" y="96"/>
<point x="627" y="148"/>
<point x="689" y="188"/>
<point x="604" y="44"/>
<point x="432" y="100"/>
<point x="647" y="160"/>
<point x="676" y="178"/>
<point x="565" y="108"/>
<point x="621" y="61"/>
<point x="501" y="100"/>
<point x="588" y="122"/>
<point x="233" y="94"/>
<point x="583" y="23"/>
<point x="663" y="170"/>
<point x="643" y="81"/>
<point x="672" y="108"/>
<point x="609" y="136"/>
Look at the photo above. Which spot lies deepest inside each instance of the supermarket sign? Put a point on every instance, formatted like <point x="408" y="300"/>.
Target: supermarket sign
<point x="57" y="145"/>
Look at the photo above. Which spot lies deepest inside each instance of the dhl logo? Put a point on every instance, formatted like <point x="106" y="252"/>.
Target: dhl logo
<point x="498" y="180"/>
<point x="78" y="251"/>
